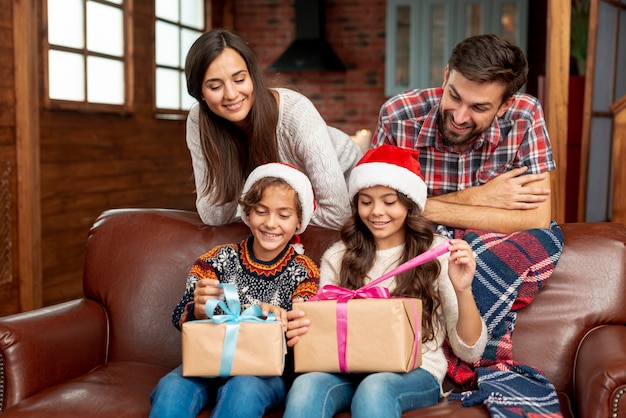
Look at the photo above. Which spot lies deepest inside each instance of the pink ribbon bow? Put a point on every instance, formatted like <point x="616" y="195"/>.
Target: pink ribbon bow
<point x="341" y="294"/>
<point x="370" y="290"/>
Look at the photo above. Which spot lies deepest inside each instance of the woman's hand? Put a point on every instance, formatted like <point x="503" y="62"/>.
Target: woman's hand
<point x="205" y="289"/>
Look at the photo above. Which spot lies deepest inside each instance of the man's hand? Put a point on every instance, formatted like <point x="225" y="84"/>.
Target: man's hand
<point x="512" y="190"/>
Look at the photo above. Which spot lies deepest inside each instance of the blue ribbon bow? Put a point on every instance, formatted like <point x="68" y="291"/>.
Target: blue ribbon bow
<point x="232" y="317"/>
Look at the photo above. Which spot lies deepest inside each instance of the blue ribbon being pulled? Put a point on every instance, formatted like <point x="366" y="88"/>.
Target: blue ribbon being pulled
<point x="232" y="317"/>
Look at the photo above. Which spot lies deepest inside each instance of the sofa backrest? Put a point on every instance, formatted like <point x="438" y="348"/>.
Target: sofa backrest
<point x="136" y="265"/>
<point x="137" y="262"/>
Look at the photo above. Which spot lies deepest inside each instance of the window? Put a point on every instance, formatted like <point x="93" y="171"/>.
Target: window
<point x="178" y="24"/>
<point x="86" y="55"/>
<point x="422" y="33"/>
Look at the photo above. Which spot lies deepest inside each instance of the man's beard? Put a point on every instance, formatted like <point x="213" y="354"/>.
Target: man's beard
<point x="452" y="138"/>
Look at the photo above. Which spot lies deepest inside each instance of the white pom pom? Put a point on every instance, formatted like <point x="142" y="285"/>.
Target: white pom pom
<point x="298" y="247"/>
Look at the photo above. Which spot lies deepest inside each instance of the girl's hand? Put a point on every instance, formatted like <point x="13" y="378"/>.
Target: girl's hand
<point x="297" y="325"/>
<point x="461" y="265"/>
<point x="281" y="314"/>
<point x="205" y="289"/>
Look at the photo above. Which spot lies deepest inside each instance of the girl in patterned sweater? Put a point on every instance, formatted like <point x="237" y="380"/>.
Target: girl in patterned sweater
<point x="268" y="270"/>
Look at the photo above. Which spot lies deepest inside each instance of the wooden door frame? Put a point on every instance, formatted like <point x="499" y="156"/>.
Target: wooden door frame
<point x="557" y="97"/>
<point x="26" y="69"/>
<point x="586" y="128"/>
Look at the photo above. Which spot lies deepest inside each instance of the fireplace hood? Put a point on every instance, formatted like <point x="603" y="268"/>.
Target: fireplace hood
<point x="309" y="51"/>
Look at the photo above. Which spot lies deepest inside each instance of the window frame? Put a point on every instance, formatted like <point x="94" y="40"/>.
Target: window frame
<point x="421" y="28"/>
<point x="165" y="113"/>
<point x="85" y="105"/>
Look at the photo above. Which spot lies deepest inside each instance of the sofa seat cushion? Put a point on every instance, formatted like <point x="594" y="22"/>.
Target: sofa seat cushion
<point x="117" y="389"/>
<point x="444" y="408"/>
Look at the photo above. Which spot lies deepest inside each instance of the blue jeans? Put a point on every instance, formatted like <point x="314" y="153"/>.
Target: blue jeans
<point x="236" y="396"/>
<point x="322" y="395"/>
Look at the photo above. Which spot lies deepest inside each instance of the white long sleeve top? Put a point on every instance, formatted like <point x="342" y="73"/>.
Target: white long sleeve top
<point x="325" y="154"/>
<point x="433" y="358"/>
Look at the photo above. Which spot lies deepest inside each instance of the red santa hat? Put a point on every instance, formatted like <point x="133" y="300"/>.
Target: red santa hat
<point x="292" y="176"/>
<point x="390" y="166"/>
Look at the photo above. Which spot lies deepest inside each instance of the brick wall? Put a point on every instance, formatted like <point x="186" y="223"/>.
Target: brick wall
<point x="348" y="100"/>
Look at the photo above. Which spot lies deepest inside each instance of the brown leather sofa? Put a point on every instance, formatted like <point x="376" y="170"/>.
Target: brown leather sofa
<point x="101" y="356"/>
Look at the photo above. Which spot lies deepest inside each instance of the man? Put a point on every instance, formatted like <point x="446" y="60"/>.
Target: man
<point x="484" y="148"/>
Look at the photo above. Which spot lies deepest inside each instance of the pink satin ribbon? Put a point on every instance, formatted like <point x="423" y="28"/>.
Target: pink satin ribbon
<point x="371" y="290"/>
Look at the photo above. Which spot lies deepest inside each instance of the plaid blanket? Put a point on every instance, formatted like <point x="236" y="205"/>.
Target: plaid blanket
<point x="510" y="272"/>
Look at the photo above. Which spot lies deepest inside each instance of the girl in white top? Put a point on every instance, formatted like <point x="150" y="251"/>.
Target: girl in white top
<point x="385" y="230"/>
<point x="239" y="123"/>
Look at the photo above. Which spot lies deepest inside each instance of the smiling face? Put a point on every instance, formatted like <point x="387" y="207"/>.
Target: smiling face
<point x="468" y="108"/>
<point x="227" y="87"/>
<point x="273" y="221"/>
<point x="380" y="209"/>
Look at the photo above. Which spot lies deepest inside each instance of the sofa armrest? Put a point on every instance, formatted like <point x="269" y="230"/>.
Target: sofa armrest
<point x="48" y="346"/>
<point x="600" y="373"/>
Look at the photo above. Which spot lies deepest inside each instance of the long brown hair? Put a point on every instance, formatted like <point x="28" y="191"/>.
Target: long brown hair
<point x="416" y="283"/>
<point x="231" y="153"/>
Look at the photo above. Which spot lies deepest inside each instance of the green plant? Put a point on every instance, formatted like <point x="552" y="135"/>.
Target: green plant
<point x="579" y="33"/>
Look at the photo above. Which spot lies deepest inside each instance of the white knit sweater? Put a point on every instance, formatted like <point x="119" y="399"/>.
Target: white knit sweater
<point x="325" y="154"/>
<point x="433" y="358"/>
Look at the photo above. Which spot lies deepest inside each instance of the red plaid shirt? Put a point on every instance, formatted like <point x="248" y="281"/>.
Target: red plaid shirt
<point x="518" y="138"/>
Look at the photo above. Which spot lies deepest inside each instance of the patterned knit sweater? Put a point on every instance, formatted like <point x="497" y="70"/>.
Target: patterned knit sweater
<point x="277" y="282"/>
<point x="325" y="154"/>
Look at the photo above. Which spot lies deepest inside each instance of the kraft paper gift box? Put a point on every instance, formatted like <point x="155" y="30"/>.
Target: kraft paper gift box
<point x="233" y="344"/>
<point x="382" y="335"/>
<point x="363" y="330"/>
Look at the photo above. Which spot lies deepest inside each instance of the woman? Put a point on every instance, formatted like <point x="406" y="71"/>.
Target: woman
<point x="240" y="123"/>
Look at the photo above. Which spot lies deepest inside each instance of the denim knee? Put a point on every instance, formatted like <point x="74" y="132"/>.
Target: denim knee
<point x="249" y="396"/>
<point x="178" y="396"/>
<point x="391" y="394"/>
<point x="318" y="395"/>
<point x="373" y="395"/>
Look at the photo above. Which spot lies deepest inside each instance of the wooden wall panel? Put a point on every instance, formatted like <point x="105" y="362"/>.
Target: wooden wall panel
<point x="9" y="296"/>
<point x="6" y="224"/>
<point x="91" y="162"/>
<point x="6" y="230"/>
<point x="26" y="63"/>
<point x="100" y="166"/>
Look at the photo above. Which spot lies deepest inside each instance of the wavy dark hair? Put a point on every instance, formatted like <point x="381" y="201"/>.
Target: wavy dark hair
<point x="490" y="58"/>
<point x="230" y="152"/>
<point x="417" y="283"/>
